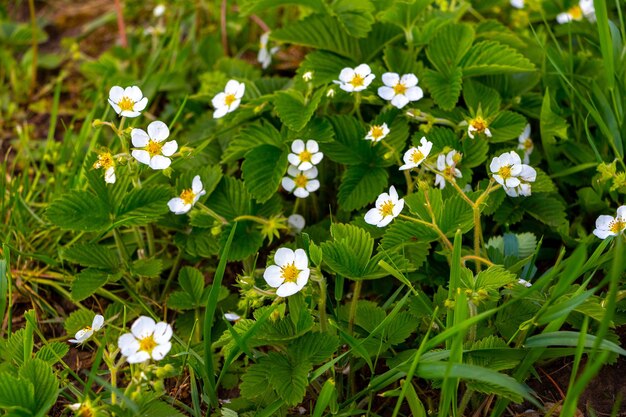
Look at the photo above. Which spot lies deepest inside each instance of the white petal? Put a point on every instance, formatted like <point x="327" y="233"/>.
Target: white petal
<point x="297" y="146"/>
<point x="301" y="192"/>
<point x="293" y="170"/>
<point x="346" y="75"/>
<point x="273" y="275"/>
<point x="287" y="289"/>
<point x="399" y="101"/>
<point x="128" y="344"/>
<point x="512" y="182"/>
<point x="525" y="134"/>
<point x="130" y="113"/>
<point x="284" y="256"/>
<point x="390" y="79"/>
<point x="409" y="80"/>
<point x="220" y="112"/>
<point x="603" y="234"/>
<point x="305" y="166"/>
<point x="109" y="175"/>
<point x="293" y="159"/>
<point x="218" y="100"/>
<point x="312" y="186"/>
<point x="398" y="207"/>
<point x="161" y="350"/>
<point x="373" y="216"/>
<point x="310" y="173"/>
<point x="288" y="184"/>
<point x="232" y="316"/>
<point x="141" y="156"/>
<point x="160" y="162"/>
<point x="296" y="222"/>
<point x="162" y="332"/>
<point x="518" y="4"/>
<point x="178" y="206"/>
<point x="495" y="165"/>
<point x="348" y="87"/>
<point x="158" y="131"/>
<point x="621" y="212"/>
<point x="143" y="327"/>
<point x="604" y="222"/>
<point x="363" y="70"/>
<point x="414" y="93"/>
<point x="312" y="146"/>
<point x="562" y="18"/>
<point x="97" y="322"/>
<point x="169" y="148"/>
<point x="382" y="199"/>
<point x="528" y="173"/>
<point x="385" y="221"/>
<point x="368" y="80"/>
<point x="300" y="259"/>
<point x="393" y="193"/>
<point x="316" y="158"/>
<point x="231" y="87"/>
<point x="407" y="166"/>
<point x="117" y="108"/>
<point x="116" y="93"/>
<point x="141" y="104"/>
<point x="233" y="106"/>
<point x="138" y="357"/>
<point x="134" y="93"/>
<point x="196" y="184"/>
<point x="139" y="138"/>
<point x="498" y="179"/>
<point x="303" y="277"/>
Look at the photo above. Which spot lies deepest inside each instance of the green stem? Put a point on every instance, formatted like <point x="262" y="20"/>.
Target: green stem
<point x="121" y="248"/>
<point x="150" y="237"/>
<point x="442" y="236"/>
<point x="120" y="134"/>
<point x="173" y="272"/>
<point x="212" y="213"/>
<point x="478" y="232"/>
<point x="353" y="304"/>
<point x="321" y="306"/>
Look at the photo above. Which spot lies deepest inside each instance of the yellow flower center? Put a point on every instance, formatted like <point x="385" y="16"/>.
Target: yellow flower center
<point x="617" y="226"/>
<point x="576" y="12"/>
<point x="305" y="156"/>
<point x="448" y="172"/>
<point x="187" y="196"/>
<point x="154" y="148"/>
<point x="105" y="160"/>
<point x="505" y="172"/>
<point x="399" y="88"/>
<point x="377" y="132"/>
<point x="147" y="344"/>
<point x="528" y="144"/>
<point x="290" y="273"/>
<point x="417" y="157"/>
<point x="126" y="104"/>
<point x="357" y="81"/>
<point x="387" y="208"/>
<point x="301" y="180"/>
<point x="479" y="124"/>
<point x="229" y="99"/>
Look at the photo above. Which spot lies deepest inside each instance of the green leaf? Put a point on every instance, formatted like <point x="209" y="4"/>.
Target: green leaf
<point x="319" y="32"/>
<point x="254" y="6"/>
<point x="263" y="169"/>
<point x="292" y="109"/>
<point x="399" y="60"/>
<point x="410" y="239"/>
<point x="457" y="214"/>
<point x="478" y="96"/>
<point x="230" y="199"/>
<point x="449" y="45"/>
<point x="314" y="347"/>
<point x="349" y="146"/>
<point x="92" y="255"/>
<point x="16" y="395"/>
<point x="543" y="183"/>
<point x="87" y="282"/>
<point x="491" y="57"/>
<point x="494" y="278"/>
<point x="256" y="381"/>
<point x="546" y="209"/>
<point x="506" y="126"/>
<point x="355" y="16"/>
<point x="569" y="338"/>
<point x="79" y="211"/>
<point x="474" y="152"/>
<point x="553" y="127"/>
<point x="445" y="88"/>
<point x="143" y="205"/>
<point x="251" y="136"/>
<point x="404" y="13"/>
<point x="78" y="320"/>
<point x="350" y="251"/>
<point x="147" y="267"/>
<point x="325" y="66"/>
<point x="40" y="374"/>
<point x="247" y="240"/>
<point x="289" y="377"/>
<point x="360" y="186"/>
<point x="52" y="352"/>
<point x="192" y="282"/>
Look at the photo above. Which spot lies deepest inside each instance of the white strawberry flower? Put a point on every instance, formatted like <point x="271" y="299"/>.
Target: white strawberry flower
<point x="400" y="90"/>
<point x="506" y="169"/>
<point x="388" y="207"/>
<point x="584" y="8"/>
<point x="525" y="283"/>
<point x="228" y="100"/>
<point x="377" y="132"/>
<point x="265" y="55"/>
<point x="127" y="102"/>
<point x="105" y="161"/>
<point x="415" y="156"/>
<point x="296" y="223"/>
<point x="307" y="76"/>
<point x="518" y="4"/>
<point x="611" y="226"/>
<point x="528" y="175"/>
<point x="446" y="164"/>
<point x="357" y="79"/>
<point x="153" y="152"/>
<point x="86" y="332"/>
<point x="232" y="317"/>
<point x="291" y="272"/>
<point x="304" y="156"/>
<point x="526" y="143"/>
<point x="147" y="339"/>
<point x="189" y="197"/>
<point x="478" y="126"/>
<point x="159" y="10"/>
<point x="301" y="183"/>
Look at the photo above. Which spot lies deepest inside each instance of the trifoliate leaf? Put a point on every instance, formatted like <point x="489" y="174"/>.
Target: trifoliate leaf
<point x="263" y="169"/>
<point x="444" y="87"/>
<point x="92" y="255"/>
<point x="349" y="252"/>
<point x="493" y="278"/>
<point x="40" y="374"/>
<point x="80" y="211"/>
<point x="355" y="16"/>
<point x="230" y="199"/>
<point x="247" y="240"/>
<point x="349" y="146"/>
<point x="449" y="45"/>
<point x="404" y="13"/>
<point x="52" y="352"/>
<point x="292" y="108"/>
<point x="87" y="282"/>
<point x="456" y="215"/>
<point x="546" y="209"/>
<point x="325" y="66"/>
<point x="17" y="396"/>
<point x="251" y="136"/>
<point x="506" y="126"/>
<point x="314" y="347"/>
<point x="143" y="205"/>
<point x="479" y="96"/>
<point x="191" y="281"/>
<point x="289" y="377"/>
